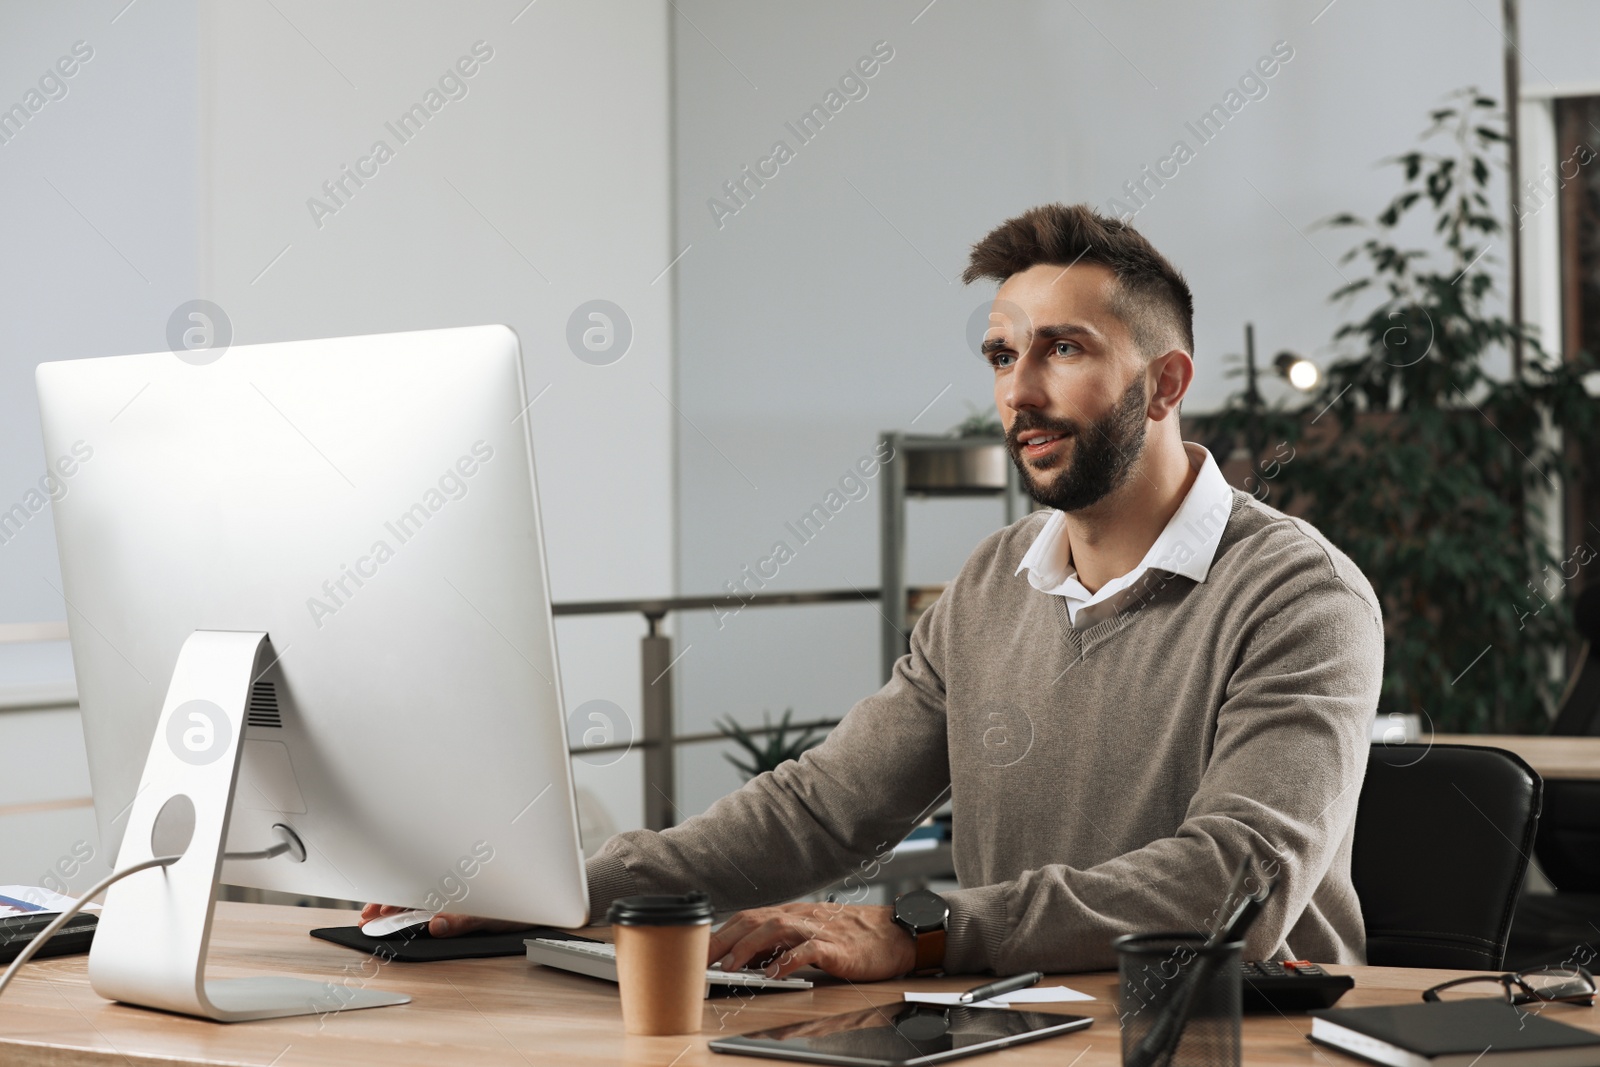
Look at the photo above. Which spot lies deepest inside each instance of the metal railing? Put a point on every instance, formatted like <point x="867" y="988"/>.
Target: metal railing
<point x="657" y="740"/>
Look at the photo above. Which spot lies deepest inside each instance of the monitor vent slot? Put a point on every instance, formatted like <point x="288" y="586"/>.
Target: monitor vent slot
<point x="263" y="707"/>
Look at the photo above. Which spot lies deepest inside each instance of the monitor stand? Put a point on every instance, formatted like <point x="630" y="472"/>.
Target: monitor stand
<point x="154" y="931"/>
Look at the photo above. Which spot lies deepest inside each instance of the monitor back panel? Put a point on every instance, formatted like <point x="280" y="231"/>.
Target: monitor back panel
<point x="370" y="503"/>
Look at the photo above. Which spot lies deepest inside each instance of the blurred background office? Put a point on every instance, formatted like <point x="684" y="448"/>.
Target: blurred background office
<point x="717" y="329"/>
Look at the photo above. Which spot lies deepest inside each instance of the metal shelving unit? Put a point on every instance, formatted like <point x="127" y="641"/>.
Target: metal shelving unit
<point x="932" y="466"/>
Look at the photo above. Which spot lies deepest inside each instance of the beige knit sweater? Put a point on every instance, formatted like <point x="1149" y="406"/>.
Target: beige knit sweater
<point x="1103" y="781"/>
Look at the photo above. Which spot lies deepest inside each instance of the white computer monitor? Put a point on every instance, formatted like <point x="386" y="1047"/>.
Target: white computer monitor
<point x="349" y="529"/>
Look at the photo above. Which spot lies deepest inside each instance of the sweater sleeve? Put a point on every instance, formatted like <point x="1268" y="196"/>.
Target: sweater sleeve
<point x="1281" y="786"/>
<point x="813" y="821"/>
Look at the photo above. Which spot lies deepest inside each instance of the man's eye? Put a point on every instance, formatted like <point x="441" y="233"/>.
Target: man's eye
<point x="1065" y="348"/>
<point x="1001" y="359"/>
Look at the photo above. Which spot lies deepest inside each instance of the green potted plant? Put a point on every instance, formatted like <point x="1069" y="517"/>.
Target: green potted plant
<point x="1427" y="469"/>
<point x="781" y="743"/>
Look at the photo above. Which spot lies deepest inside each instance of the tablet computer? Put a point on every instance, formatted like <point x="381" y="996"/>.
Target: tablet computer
<point x="901" y="1035"/>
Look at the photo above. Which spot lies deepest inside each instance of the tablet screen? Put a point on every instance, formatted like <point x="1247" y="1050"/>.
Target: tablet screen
<point x="901" y="1035"/>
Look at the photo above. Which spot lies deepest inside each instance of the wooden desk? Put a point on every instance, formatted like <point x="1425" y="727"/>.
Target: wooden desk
<point x="1552" y="757"/>
<point x="507" y="1012"/>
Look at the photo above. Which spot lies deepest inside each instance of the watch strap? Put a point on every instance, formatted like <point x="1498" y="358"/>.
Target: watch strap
<point x="930" y="952"/>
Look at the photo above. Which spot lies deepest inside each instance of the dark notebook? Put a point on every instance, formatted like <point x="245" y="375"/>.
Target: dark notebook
<point x="1459" y="1033"/>
<point x="17" y="930"/>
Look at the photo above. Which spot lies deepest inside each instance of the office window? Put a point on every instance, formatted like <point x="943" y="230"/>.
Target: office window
<point x="1578" y="182"/>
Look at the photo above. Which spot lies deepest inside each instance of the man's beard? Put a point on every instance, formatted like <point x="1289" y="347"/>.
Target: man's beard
<point x="1103" y="452"/>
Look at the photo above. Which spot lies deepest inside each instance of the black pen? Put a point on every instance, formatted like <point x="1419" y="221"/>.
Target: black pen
<point x="1004" y="985"/>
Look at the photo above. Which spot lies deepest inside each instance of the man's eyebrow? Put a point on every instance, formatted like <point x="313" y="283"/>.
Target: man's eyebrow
<point x="1068" y="329"/>
<point x="1049" y="333"/>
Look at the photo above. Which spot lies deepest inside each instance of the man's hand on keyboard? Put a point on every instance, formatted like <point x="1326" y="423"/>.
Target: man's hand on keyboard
<point x="443" y="925"/>
<point x="855" y="941"/>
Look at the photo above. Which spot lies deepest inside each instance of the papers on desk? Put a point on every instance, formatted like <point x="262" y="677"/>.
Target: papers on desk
<point x="1051" y="994"/>
<point x="34" y="900"/>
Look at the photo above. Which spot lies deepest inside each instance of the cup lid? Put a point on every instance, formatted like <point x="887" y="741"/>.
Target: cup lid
<point x="687" y="909"/>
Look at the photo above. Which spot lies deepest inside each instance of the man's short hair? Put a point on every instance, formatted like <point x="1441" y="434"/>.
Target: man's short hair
<point x="1151" y="297"/>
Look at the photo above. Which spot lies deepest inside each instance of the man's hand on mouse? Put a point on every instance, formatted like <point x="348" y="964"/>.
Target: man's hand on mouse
<point x="856" y="941"/>
<point x="445" y="925"/>
<point x="860" y="942"/>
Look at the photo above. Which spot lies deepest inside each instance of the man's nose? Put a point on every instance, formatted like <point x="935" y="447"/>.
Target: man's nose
<point x="1026" y="385"/>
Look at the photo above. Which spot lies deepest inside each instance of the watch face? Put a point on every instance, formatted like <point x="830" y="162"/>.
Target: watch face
<point x="922" y="910"/>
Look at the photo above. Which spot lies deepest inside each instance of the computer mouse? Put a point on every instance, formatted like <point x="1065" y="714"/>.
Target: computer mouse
<point x="389" y="925"/>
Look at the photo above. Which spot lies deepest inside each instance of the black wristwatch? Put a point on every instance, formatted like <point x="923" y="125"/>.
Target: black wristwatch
<point x="924" y="915"/>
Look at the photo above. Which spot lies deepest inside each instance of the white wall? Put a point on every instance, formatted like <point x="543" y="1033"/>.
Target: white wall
<point x="99" y="188"/>
<point x="542" y="188"/>
<point x="99" y="227"/>
<point x="191" y="142"/>
<point x="826" y="309"/>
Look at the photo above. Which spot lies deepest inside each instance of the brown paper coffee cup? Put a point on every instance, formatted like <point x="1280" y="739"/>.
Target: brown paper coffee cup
<point x="662" y="943"/>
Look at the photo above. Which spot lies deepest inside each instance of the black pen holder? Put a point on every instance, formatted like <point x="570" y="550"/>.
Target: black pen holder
<point x="1164" y="974"/>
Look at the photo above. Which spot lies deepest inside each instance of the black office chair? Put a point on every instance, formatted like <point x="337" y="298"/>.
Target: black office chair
<point x="1579" y="713"/>
<point x="1550" y="928"/>
<point x="1569" y="838"/>
<point x="1442" y="839"/>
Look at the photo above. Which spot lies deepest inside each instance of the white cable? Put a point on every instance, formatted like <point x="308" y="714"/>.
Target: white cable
<point x="61" y="920"/>
<point x="271" y="852"/>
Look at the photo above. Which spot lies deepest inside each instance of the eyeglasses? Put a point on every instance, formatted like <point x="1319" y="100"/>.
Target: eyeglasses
<point x="1566" y="985"/>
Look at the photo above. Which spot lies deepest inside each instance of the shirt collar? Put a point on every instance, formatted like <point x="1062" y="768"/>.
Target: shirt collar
<point x="1186" y="546"/>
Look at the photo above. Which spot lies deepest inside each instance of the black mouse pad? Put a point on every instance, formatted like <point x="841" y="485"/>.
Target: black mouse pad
<point x="420" y="947"/>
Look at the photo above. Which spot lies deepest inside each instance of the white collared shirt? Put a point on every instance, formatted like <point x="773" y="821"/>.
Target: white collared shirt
<point x="1187" y="546"/>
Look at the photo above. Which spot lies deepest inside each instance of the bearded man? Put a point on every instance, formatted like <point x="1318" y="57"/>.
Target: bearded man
<point x="1198" y="674"/>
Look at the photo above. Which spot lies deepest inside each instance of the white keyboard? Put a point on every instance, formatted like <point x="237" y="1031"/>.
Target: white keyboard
<point x="598" y="959"/>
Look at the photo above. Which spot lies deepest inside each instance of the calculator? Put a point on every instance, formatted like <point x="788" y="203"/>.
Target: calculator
<point x="1291" y="985"/>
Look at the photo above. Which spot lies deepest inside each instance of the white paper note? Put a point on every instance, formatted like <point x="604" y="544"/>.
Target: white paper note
<point x="1052" y="994"/>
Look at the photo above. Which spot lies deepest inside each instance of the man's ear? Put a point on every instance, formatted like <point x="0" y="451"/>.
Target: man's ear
<point x="1170" y="375"/>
